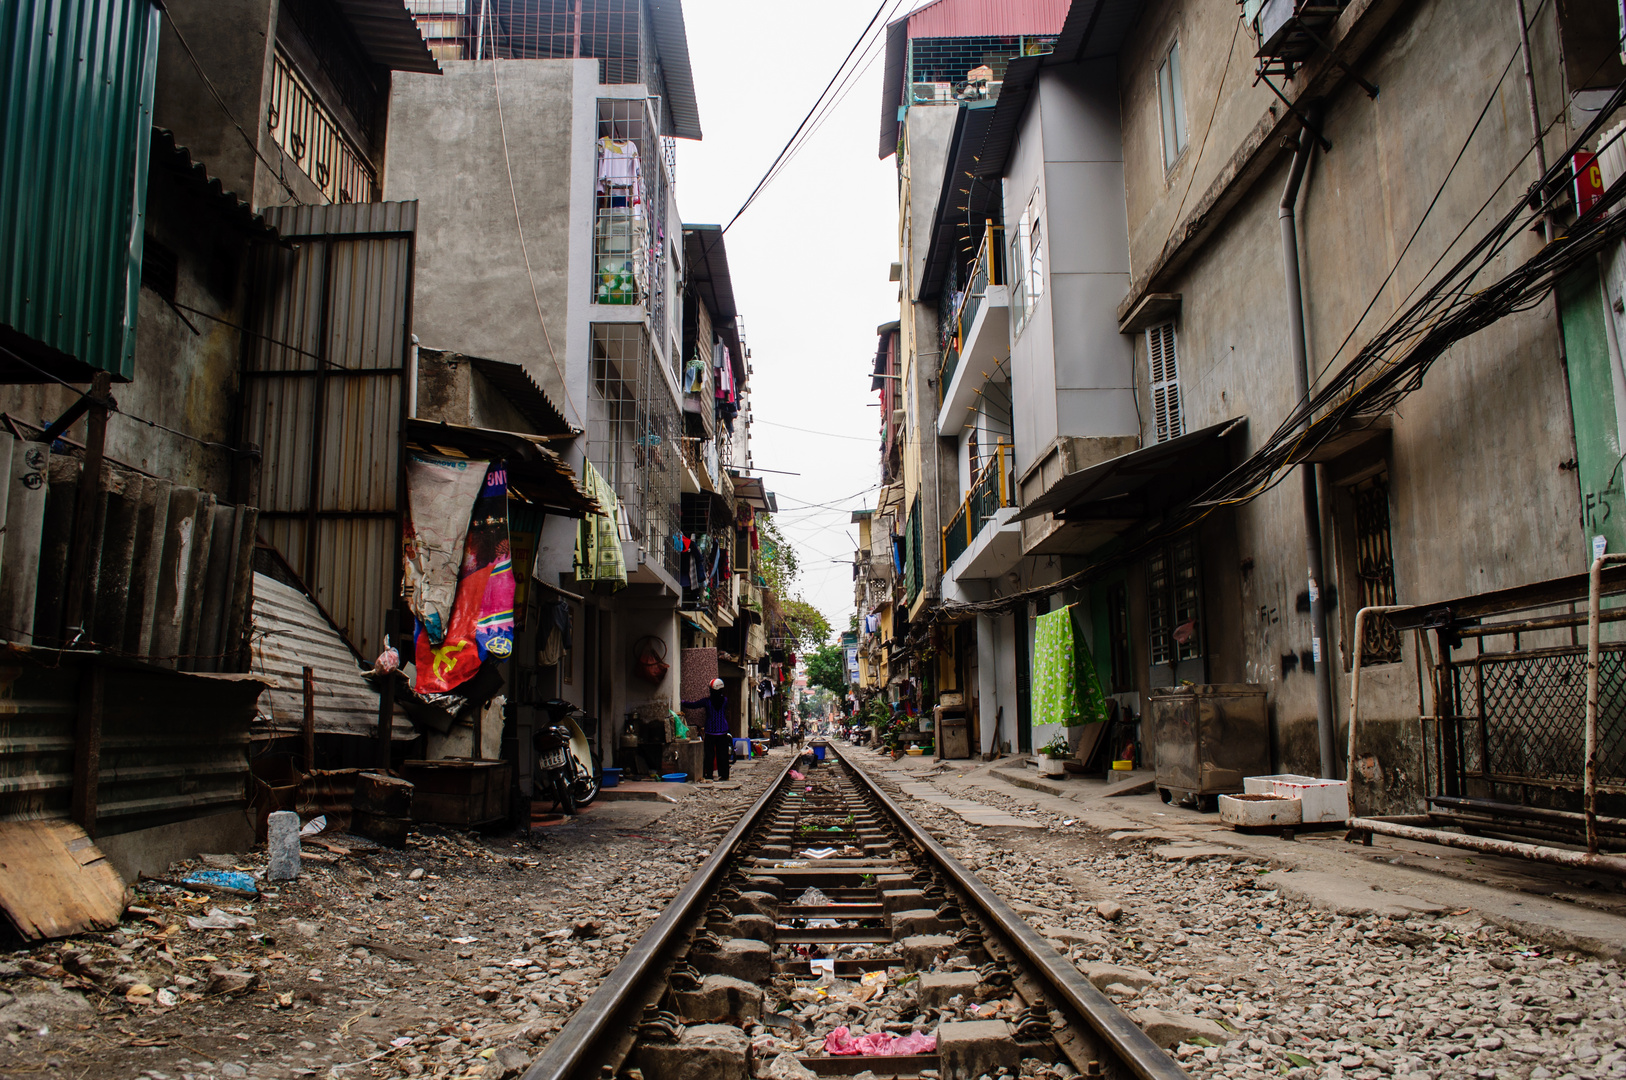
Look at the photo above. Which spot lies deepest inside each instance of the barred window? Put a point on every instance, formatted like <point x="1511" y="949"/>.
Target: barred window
<point x="1173" y="604"/>
<point x="1375" y="568"/>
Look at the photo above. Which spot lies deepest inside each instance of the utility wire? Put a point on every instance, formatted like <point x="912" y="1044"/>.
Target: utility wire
<point x="812" y="110"/>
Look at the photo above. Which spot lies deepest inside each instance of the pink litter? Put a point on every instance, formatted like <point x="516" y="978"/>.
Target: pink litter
<point x="794" y="775"/>
<point x="878" y="1044"/>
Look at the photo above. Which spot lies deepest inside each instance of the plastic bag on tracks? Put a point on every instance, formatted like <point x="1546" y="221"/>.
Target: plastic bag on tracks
<point x="840" y="1042"/>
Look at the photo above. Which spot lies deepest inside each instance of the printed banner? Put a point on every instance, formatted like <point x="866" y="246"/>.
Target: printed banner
<point x="482" y="618"/>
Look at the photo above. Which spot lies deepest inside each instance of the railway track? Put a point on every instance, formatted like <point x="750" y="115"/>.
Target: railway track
<point x="735" y="946"/>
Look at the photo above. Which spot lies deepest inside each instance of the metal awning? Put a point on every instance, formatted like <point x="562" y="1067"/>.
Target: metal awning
<point x="291" y="633"/>
<point x="524" y="394"/>
<point x="672" y="46"/>
<point x="1468" y="610"/>
<point x="190" y="172"/>
<point x="535" y="473"/>
<point x="1118" y="479"/>
<point x="965" y="202"/>
<point x="750" y="490"/>
<point x="705" y="255"/>
<point x="389" y="35"/>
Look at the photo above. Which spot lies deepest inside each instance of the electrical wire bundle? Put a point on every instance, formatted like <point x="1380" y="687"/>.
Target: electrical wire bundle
<point x="1394" y="362"/>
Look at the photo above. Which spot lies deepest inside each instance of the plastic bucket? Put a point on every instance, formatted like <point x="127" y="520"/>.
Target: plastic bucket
<point x="609" y="778"/>
<point x="818" y="753"/>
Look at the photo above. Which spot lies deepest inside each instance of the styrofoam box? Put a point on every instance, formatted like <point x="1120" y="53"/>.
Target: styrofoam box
<point x="1252" y="812"/>
<point x="1324" y="800"/>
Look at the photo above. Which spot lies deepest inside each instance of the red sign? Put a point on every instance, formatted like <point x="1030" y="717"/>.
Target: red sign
<point x="1588" y="181"/>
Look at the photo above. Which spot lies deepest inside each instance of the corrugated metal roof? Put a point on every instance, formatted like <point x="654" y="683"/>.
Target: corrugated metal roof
<point x="179" y="160"/>
<point x="706" y="256"/>
<point x="965" y="200"/>
<point x="525" y="395"/>
<point x="672" y="43"/>
<point x="987" y="18"/>
<point x="957" y="18"/>
<point x="389" y="34"/>
<point x="1094" y="29"/>
<point x="535" y="472"/>
<point x="75" y="113"/>
<point x="291" y="632"/>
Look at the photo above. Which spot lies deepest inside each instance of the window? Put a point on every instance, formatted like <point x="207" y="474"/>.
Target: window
<point x="1164" y="364"/>
<point x="1171" y="106"/>
<point x="1027" y="262"/>
<point x="1369" y="564"/>
<point x="1173" y="604"/>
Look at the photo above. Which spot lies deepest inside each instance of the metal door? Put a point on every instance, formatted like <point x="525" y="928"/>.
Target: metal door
<point x="324" y="398"/>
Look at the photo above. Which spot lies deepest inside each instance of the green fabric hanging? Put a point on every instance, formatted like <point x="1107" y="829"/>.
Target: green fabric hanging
<point x="1066" y="688"/>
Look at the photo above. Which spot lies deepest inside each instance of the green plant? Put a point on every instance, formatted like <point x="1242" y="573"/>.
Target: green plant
<point x="1056" y="748"/>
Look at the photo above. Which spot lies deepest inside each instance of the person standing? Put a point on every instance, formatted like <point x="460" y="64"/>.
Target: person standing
<point x="715" y="752"/>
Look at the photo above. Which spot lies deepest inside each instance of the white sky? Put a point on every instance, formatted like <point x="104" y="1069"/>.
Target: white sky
<point x="809" y="259"/>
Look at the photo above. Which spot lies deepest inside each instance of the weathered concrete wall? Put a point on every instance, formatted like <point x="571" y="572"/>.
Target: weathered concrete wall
<point x="1478" y="500"/>
<point x="184" y="380"/>
<point x="446" y="149"/>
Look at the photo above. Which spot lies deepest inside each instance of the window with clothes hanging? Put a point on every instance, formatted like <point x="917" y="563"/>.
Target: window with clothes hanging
<point x="1027" y="262"/>
<point x="1171" y="106"/>
<point x="1163" y="363"/>
<point x="1174" y="604"/>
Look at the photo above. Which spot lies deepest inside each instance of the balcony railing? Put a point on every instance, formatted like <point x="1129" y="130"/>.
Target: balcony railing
<point x="989" y="269"/>
<point x="307" y="132"/>
<point x="990" y="491"/>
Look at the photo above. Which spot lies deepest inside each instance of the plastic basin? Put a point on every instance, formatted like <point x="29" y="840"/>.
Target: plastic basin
<point x="675" y="777"/>
<point x="609" y="778"/>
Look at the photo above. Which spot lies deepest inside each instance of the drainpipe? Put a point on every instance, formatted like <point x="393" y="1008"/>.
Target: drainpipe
<point x="1307" y="473"/>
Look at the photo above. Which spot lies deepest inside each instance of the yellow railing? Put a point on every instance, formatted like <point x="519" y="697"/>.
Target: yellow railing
<point x="989" y="491"/>
<point x="988" y="269"/>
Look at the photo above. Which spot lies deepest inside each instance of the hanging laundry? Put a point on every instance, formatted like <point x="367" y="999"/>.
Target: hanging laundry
<point x="694" y="377"/>
<point x="598" y="538"/>
<point x="725" y="390"/>
<point x="620" y="170"/>
<point x="1066" y="688"/>
<point x="482" y="619"/>
<point x="441" y="493"/>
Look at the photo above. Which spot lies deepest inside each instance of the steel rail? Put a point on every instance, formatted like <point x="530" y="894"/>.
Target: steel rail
<point x="583" y="1047"/>
<point x="1070" y="988"/>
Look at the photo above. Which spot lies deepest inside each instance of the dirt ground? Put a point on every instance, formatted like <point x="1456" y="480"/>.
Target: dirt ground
<point x="458" y="956"/>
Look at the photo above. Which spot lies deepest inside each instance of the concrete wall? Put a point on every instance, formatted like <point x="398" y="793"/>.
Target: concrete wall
<point x="446" y="149"/>
<point x="1070" y="368"/>
<point x="1478" y="500"/>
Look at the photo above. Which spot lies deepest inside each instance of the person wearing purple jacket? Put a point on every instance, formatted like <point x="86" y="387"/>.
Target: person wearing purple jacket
<point x="716" y="751"/>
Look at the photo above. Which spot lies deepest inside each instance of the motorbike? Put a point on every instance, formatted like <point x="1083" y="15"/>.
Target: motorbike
<point x="565" y="758"/>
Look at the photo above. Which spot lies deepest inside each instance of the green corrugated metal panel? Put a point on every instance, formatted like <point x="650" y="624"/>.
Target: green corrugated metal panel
<point x="76" y="90"/>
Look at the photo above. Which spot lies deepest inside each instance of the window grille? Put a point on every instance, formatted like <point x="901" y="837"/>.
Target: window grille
<point x="609" y="31"/>
<point x="309" y="134"/>
<point x="1171" y="106"/>
<point x="1375" y="568"/>
<point x="340" y="59"/>
<point x="1162" y="359"/>
<point x="633" y="432"/>
<point x="629" y="226"/>
<point x="938" y="67"/>
<point x="1174" y="604"/>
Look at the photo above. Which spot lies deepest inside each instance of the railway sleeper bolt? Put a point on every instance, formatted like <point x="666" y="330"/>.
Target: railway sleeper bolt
<point x="658" y="1025"/>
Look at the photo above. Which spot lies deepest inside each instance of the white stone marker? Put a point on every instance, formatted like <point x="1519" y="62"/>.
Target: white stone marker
<point x="282" y="841"/>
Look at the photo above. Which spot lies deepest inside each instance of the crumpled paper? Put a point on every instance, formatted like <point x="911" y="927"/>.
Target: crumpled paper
<point x="879" y="1043"/>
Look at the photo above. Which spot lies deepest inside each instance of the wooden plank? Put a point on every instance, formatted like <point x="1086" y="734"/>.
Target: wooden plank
<point x="54" y="881"/>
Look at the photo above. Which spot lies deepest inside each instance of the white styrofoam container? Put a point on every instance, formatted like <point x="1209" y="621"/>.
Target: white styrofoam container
<point x="1324" y="800"/>
<point x="1260" y="811"/>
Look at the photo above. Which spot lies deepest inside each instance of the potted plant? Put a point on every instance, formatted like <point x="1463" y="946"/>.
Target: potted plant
<point x="1053" y="755"/>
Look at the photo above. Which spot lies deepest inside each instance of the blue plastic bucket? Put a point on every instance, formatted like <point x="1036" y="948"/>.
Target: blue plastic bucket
<point x="609" y="778"/>
<point x="675" y="777"/>
<point x="818" y="753"/>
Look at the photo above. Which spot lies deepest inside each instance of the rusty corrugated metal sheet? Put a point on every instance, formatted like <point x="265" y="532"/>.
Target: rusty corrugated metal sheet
<point x="290" y="633"/>
<point x="174" y="746"/>
<point x="988" y="18"/>
<point x="324" y="387"/>
<point x="76" y="90"/>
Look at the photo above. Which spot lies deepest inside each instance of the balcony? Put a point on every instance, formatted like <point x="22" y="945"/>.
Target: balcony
<point x="980" y="341"/>
<point x="983" y="540"/>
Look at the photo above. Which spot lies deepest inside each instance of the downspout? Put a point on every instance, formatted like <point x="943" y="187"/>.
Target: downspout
<point x="1307" y="472"/>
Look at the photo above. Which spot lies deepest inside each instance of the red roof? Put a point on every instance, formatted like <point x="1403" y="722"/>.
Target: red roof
<point x="987" y="18"/>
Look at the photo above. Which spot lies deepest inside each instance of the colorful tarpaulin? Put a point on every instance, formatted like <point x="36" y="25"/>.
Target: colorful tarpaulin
<point x="440" y="497"/>
<point x="1066" y="689"/>
<point x="482" y="617"/>
<point x="598" y="539"/>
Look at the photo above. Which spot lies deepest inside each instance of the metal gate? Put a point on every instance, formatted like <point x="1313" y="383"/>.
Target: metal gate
<point x="324" y="391"/>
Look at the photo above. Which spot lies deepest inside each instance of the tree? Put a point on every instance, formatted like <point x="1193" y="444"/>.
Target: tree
<point x="804" y="622"/>
<point x="784" y="607"/>
<point x="827" y="667"/>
